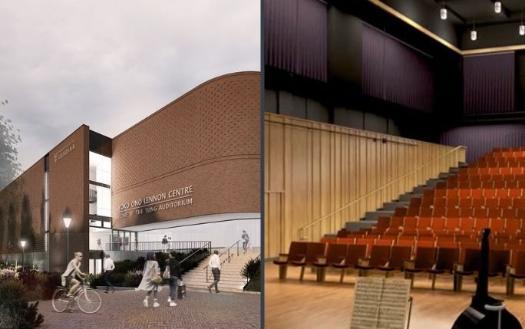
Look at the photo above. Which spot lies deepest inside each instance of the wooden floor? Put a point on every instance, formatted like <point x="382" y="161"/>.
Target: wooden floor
<point x="291" y="304"/>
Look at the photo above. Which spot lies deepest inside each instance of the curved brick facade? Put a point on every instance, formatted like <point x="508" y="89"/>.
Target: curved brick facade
<point x="207" y="139"/>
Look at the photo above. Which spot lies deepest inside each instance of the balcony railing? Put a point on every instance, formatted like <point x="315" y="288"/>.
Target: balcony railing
<point x="158" y="246"/>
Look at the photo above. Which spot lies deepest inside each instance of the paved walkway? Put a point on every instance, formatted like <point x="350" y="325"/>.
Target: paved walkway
<point x="199" y="310"/>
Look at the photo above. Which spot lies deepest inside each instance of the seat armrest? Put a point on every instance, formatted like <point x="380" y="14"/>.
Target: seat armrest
<point x="321" y="260"/>
<point x="409" y="264"/>
<point x="363" y="261"/>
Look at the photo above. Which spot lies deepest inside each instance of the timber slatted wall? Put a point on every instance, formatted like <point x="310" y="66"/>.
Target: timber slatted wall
<point x="313" y="169"/>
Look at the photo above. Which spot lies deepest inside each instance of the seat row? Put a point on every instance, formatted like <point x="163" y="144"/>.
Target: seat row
<point x="448" y="241"/>
<point x="457" y="262"/>
<point x="479" y="183"/>
<point x="451" y="224"/>
<point x="475" y="212"/>
<point x="472" y="175"/>
<point x="468" y="202"/>
<point x="514" y="169"/>
<point x="499" y="162"/>
<point x="475" y="192"/>
<point x="506" y="152"/>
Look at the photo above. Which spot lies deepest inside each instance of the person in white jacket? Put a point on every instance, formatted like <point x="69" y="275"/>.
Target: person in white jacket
<point x="150" y="279"/>
<point x="215" y="265"/>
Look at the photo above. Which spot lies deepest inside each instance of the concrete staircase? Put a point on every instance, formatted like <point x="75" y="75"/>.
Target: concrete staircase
<point x="231" y="278"/>
<point x="403" y="200"/>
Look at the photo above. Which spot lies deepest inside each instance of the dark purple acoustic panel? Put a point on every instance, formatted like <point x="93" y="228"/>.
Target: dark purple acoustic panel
<point x="488" y="83"/>
<point x="482" y="139"/>
<point x="295" y="37"/>
<point x="396" y="73"/>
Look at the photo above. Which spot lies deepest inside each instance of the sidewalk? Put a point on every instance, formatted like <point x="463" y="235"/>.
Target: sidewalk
<point x="199" y="310"/>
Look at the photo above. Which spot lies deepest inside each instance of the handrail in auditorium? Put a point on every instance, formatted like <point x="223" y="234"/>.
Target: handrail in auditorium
<point x="319" y="220"/>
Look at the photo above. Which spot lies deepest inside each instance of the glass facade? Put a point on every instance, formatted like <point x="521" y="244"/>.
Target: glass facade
<point x="99" y="200"/>
<point x="99" y="190"/>
<point x="100" y="230"/>
<point x="99" y="168"/>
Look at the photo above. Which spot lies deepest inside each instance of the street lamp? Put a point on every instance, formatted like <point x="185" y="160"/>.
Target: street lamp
<point x="67" y="222"/>
<point x="23" y="244"/>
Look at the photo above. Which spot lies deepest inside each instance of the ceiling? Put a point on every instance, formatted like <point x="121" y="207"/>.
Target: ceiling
<point x="482" y="12"/>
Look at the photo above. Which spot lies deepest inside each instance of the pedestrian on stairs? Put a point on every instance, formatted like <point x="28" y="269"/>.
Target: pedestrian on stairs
<point x="215" y="265"/>
<point x="245" y="239"/>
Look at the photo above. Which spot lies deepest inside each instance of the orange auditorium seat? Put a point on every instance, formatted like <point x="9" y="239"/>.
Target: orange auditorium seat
<point x="512" y="225"/>
<point x="505" y="203"/>
<point x="497" y="224"/>
<point x="424" y="222"/>
<point x="515" y="193"/>
<point x="481" y="223"/>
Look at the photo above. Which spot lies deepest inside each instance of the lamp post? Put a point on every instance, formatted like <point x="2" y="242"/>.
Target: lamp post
<point x="67" y="222"/>
<point x="23" y="244"/>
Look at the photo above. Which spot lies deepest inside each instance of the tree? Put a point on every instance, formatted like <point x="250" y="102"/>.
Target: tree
<point x="9" y="165"/>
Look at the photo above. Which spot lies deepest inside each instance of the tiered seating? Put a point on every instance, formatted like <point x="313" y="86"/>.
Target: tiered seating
<point x="439" y="232"/>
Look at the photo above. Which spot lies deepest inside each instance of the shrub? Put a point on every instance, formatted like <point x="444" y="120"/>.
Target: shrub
<point x="39" y="285"/>
<point x="252" y="272"/>
<point x="129" y="279"/>
<point x="254" y="284"/>
<point x="132" y="279"/>
<point x="15" y="310"/>
<point x="251" y="269"/>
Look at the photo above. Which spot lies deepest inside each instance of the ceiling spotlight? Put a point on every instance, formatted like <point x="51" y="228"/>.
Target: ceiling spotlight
<point x="443" y="13"/>
<point x="522" y="29"/>
<point x="497" y="7"/>
<point x="473" y="35"/>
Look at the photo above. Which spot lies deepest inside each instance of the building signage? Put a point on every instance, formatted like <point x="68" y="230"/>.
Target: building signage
<point x="63" y="152"/>
<point x="175" y="198"/>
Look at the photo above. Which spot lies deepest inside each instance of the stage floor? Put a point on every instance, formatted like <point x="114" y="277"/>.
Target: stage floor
<point x="291" y="304"/>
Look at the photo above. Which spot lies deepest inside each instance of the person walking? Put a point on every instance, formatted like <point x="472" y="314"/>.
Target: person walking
<point x="245" y="239"/>
<point x="215" y="265"/>
<point x="175" y="275"/>
<point x="109" y="266"/>
<point x="150" y="279"/>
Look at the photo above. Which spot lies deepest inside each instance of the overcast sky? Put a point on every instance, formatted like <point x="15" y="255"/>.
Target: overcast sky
<point x="109" y="64"/>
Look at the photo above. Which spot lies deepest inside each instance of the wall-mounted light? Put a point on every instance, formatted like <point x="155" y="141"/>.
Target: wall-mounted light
<point x="497" y="7"/>
<point x="443" y="13"/>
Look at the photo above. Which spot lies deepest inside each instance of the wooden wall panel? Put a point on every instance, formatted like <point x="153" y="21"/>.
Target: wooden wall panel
<point x="315" y="170"/>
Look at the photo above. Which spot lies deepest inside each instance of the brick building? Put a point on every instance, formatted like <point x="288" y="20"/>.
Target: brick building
<point x="190" y="172"/>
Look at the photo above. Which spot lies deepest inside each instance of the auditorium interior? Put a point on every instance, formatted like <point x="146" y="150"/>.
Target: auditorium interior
<point x="394" y="135"/>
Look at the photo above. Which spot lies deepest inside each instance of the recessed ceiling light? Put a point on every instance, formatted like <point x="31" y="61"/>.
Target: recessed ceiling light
<point x="497" y="7"/>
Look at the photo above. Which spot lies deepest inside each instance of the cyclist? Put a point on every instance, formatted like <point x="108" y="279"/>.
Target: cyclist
<point x="74" y="273"/>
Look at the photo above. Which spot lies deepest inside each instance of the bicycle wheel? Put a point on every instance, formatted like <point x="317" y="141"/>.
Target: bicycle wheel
<point x="89" y="301"/>
<point x="60" y="300"/>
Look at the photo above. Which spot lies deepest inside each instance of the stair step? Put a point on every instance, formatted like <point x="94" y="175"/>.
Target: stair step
<point x="363" y="224"/>
<point x="231" y="278"/>
<point x="394" y="205"/>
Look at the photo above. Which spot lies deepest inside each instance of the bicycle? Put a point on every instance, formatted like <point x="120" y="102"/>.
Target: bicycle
<point x="88" y="300"/>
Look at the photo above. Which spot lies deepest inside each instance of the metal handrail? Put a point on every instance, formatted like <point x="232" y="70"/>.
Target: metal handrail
<point x="190" y="255"/>
<point x="206" y="268"/>
<point x="301" y="230"/>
